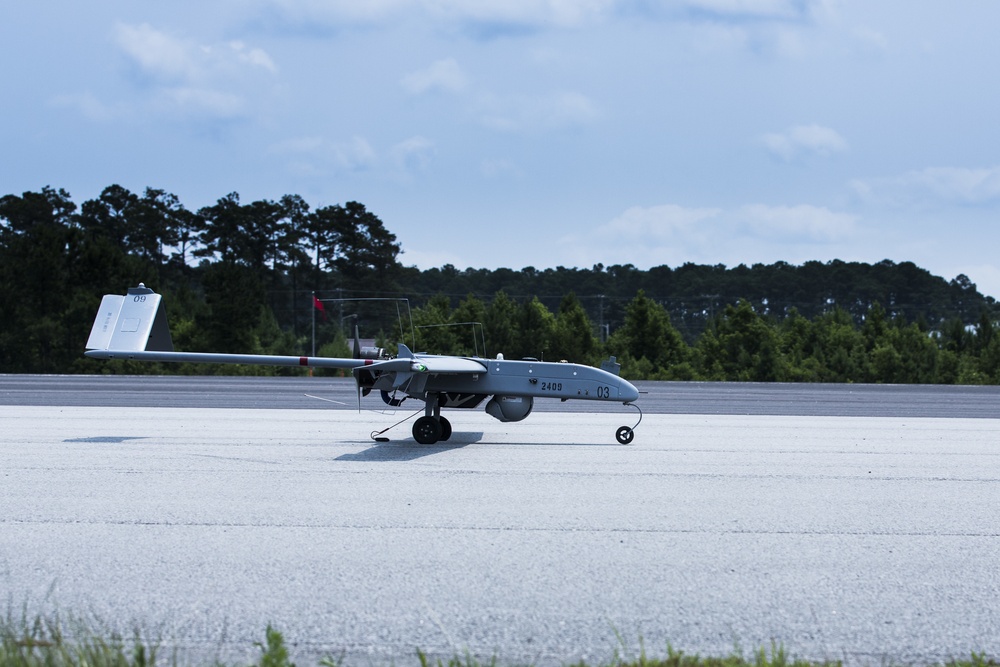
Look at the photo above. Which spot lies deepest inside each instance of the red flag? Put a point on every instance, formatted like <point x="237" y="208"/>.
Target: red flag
<point x="319" y="306"/>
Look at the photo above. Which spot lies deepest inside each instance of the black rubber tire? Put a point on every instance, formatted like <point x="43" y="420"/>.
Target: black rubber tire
<point x="427" y="430"/>
<point x="445" y="429"/>
<point x="625" y="435"/>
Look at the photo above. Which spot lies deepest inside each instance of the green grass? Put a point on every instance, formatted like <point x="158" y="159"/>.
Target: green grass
<point x="50" y="642"/>
<point x="45" y="642"/>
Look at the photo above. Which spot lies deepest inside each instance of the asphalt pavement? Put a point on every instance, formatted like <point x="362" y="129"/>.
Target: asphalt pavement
<point x="326" y="393"/>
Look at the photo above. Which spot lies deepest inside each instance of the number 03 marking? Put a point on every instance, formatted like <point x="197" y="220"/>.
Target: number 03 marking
<point x="603" y="392"/>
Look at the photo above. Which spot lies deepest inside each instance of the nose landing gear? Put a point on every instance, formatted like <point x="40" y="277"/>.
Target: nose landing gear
<point x="625" y="434"/>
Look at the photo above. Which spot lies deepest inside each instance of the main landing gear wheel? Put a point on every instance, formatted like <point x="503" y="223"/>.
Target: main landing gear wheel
<point x="427" y="430"/>
<point x="445" y="429"/>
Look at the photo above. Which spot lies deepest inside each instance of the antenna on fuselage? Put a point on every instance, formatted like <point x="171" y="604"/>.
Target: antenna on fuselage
<point x="399" y="316"/>
<point x="475" y="341"/>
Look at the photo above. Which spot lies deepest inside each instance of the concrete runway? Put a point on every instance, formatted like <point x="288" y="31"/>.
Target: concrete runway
<point x="869" y="539"/>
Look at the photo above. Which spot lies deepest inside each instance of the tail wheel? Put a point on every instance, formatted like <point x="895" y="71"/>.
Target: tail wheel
<point x="625" y="434"/>
<point x="427" y="430"/>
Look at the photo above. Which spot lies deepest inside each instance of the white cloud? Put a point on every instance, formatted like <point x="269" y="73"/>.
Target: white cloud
<point x="655" y="224"/>
<point x="186" y="77"/>
<point x="644" y="236"/>
<point x="804" y="140"/>
<point x="355" y="155"/>
<point x="797" y="224"/>
<point x="496" y="168"/>
<point x="772" y="9"/>
<point x="335" y="12"/>
<point x="871" y="40"/>
<point x="491" y="17"/>
<point x="299" y="145"/>
<point x="567" y="108"/>
<point x="214" y="103"/>
<point x="964" y="186"/>
<point x="485" y="16"/>
<point x="317" y="155"/>
<point x="522" y="113"/>
<point x="442" y="75"/>
<point x="157" y="54"/>
<point x="166" y="58"/>
<point x="671" y="234"/>
<point x="318" y="158"/>
<point x="413" y="154"/>
<point x="934" y="186"/>
<point x="252" y="57"/>
<point x="539" y="13"/>
<point x="87" y="104"/>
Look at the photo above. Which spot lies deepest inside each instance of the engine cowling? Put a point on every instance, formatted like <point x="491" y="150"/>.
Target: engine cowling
<point x="510" y="408"/>
<point x="375" y="353"/>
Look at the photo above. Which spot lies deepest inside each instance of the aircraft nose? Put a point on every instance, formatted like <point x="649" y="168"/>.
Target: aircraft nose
<point x="627" y="392"/>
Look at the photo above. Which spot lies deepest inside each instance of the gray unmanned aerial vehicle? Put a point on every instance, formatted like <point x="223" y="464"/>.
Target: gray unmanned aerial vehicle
<point x="134" y="326"/>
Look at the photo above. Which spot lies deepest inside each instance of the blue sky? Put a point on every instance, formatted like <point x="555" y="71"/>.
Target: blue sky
<point x="513" y="133"/>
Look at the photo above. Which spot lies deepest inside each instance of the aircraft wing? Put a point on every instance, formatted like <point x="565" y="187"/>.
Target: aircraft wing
<point x="134" y="326"/>
<point x="252" y="359"/>
<point x="437" y="365"/>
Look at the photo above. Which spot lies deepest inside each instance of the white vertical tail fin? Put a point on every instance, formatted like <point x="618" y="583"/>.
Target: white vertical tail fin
<point x="134" y="323"/>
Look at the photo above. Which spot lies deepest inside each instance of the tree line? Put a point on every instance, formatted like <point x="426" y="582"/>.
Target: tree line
<point x="281" y="277"/>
